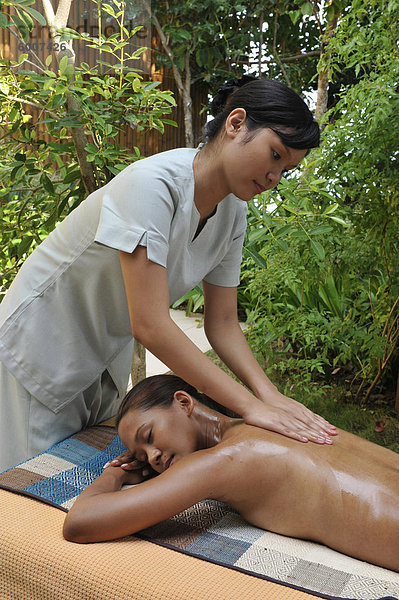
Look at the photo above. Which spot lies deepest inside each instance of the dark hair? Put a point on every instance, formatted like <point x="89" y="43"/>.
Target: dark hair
<point x="268" y="104"/>
<point x="157" y="392"/>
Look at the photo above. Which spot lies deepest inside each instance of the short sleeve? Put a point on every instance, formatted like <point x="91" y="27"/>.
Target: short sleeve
<point x="227" y="272"/>
<point x="137" y="209"/>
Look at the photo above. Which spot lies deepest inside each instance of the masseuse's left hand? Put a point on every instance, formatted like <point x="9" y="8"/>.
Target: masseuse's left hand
<point x="287" y="416"/>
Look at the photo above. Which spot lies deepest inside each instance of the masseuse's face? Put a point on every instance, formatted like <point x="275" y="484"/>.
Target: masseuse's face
<point x="257" y="165"/>
<point x="159" y="436"/>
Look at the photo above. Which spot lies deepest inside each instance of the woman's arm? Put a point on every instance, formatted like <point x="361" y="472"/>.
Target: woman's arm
<point x="105" y="512"/>
<point x="147" y="292"/>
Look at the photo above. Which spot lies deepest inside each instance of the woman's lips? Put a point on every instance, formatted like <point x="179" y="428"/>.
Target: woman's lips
<point x="259" y="188"/>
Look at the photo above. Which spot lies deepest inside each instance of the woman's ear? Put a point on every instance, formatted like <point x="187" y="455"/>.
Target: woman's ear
<point x="184" y="401"/>
<point x="236" y="121"/>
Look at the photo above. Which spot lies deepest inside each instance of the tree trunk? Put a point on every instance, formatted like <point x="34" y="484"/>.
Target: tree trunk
<point x="188" y="104"/>
<point x="183" y="88"/>
<point x="322" y="83"/>
<point x="54" y="22"/>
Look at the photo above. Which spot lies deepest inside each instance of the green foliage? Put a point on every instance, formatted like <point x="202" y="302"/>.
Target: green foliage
<point x="193" y="301"/>
<point x="321" y="273"/>
<point x="314" y="293"/>
<point x="361" y="143"/>
<point x="41" y="181"/>
<point x="224" y="38"/>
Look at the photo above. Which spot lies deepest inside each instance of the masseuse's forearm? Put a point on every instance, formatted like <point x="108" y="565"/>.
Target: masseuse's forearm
<point x="167" y="341"/>
<point x="228" y="341"/>
<point x="147" y="292"/>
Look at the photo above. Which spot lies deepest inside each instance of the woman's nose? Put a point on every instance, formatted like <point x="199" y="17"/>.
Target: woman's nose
<point x="274" y="178"/>
<point x="153" y="456"/>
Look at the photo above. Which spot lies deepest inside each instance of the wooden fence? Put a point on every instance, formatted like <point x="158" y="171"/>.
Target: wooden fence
<point x="82" y="19"/>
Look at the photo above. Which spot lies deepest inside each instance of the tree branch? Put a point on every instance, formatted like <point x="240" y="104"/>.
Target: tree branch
<point x="184" y="87"/>
<point x="166" y="47"/>
<point x="323" y="80"/>
<point x="35" y="105"/>
<point x="283" y="59"/>
<point x="299" y="56"/>
<point x="275" y="53"/>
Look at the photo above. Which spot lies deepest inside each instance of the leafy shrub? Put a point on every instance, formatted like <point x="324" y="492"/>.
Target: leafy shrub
<point x="41" y="181"/>
<point x="315" y="294"/>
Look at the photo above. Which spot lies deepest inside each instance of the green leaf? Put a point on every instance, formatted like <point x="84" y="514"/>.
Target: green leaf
<point x="36" y="15"/>
<point x="321" y="229"/>
<point x="68" y="34"/>
<point x="282" y="244"/>
<point x="169" y="122"/>
<point x="151" y="86"/>
<point x="26" y="19"/>
<point x="256" y="257"/>
<point x="317" y="249"/>
<point x="4" y="87"/>
<point x="330" y="296"/>
<point x="330" y="13"/>
<point x="294" y="15"/>
<point x="307" y="9"/>
<point x="283" y="230"/>
<point x="47" y="183"/>
<point x="21" y="26"/>
<point x="338" y="220"/>
<point x="185" y="34"/>
<point x="72" y="176"/>
<point x="3" y="21"/>
<point x="331" y="209"/>
<point x="24" y="245"/>
<point x="63" y="64"/>
<point x="137" y="85"/>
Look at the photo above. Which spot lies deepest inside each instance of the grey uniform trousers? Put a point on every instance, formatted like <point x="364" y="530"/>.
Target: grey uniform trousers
<point x="28" y="427"/>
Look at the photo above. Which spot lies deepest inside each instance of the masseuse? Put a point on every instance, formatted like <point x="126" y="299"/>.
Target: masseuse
<point x="109" y="272"/>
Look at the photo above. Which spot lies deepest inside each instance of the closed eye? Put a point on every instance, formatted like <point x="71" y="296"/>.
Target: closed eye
<point x="149" y="436"/>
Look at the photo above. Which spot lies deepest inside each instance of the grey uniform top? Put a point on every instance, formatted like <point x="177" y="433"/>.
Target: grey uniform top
<point x="65" y="319"/>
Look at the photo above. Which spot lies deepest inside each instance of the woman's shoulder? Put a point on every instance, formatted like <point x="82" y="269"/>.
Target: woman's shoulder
<point x="171" y="163"/>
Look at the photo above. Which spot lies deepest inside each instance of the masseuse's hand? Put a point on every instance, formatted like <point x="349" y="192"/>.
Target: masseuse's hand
<point x="287" y="416"/>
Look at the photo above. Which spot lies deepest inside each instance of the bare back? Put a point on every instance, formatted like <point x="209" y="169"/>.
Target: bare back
<point x="345" y="495"/>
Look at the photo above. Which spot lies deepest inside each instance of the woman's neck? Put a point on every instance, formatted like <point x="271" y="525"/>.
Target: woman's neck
<point x="212" y="426"/>
<point x="210" y="187"/>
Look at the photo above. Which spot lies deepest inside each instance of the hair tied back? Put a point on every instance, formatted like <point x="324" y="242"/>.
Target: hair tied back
<point x="224" y="92"/>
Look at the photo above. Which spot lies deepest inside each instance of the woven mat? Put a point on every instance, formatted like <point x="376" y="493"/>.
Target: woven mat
<point x="209" y="530"/>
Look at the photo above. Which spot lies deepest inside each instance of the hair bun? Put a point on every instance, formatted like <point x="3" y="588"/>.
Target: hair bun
<point x="224" y="92"/>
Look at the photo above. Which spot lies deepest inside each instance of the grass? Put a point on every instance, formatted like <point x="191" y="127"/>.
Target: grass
<point x="338" y="408"/>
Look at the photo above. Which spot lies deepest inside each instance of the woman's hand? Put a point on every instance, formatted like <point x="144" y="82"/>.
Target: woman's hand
<point x="290" y="418"/>
<point x="125" y="460"/>
<point x="128" y="463"/>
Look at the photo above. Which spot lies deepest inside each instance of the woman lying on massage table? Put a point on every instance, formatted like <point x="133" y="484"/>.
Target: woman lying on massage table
<point x="345" y="496"/>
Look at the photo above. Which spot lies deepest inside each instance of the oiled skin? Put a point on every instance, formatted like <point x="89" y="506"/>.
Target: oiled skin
<point x="345" y="495"/>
